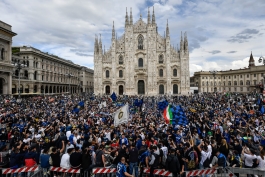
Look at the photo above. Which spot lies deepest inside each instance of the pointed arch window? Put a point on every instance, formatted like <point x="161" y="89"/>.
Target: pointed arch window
<point x="140" y="62"/>
<point x="120" y="74"/>
<point x="141" y="42"/>
<point x="161" y="72"/>
<point x="120" y="60"/>
<point x="175" y="72"/>
<point x="160" y="59"/>
<point x="107" y="73"/>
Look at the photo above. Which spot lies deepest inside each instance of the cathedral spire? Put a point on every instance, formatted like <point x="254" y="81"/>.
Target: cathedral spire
<point x="96" y="44"/>
<point x="100" y="44"/>
<point x="167" y="30"/>
<point x="131" y="17"/>
<point x="181" y="42"/>
<point x="148" y="17"/>
<point x="186" y="48"/>
<point x="113" y="31"/>
<point x="153" y="16"/>
<point x="126" y="18"/>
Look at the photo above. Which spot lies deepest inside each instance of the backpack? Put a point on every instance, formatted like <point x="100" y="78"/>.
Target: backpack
<point x="191" y="163"/>
<point x="71" y="139"/>
<point x="156" y="162"/>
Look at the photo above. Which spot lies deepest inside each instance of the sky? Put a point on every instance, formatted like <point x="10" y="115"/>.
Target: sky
<point x="221" y="33"/>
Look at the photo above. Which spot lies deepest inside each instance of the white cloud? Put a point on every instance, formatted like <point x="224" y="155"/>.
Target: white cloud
<point x="67" y="28"/>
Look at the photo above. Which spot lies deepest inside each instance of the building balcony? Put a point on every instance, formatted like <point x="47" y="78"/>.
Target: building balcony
<point x="140" y="69"/>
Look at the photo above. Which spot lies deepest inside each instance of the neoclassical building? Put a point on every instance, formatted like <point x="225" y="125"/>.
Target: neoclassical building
<point x="247" y="79"/>
<point x="6" y="68"/>
<point x="44" y="73"/>
<point x="141" y="61"/>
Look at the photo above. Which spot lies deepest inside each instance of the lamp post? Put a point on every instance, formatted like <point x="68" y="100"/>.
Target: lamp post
<point x="18" y="66"/>
<point x="213" y="73"/>
<point x="69" y="75"/>
<point x="262" y="60"/>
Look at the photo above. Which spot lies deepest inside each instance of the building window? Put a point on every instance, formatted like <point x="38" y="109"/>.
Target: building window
<point x="261" y="74"/>
<point x="241" y="82"/>
<point x="26" y="74"/>
<point x="254" y="75"/>
<point x="161" y="72"/>
<point x="121" y="60"/>
<point x="248" y="89"/>
<point x="202" y="77"/>
<point x="229" y="77"/>
<point x="248" y="82"/>
<point x="241" y="89"/>
<point x="224" y="77"/>
<point x="140" y="62"/>
<point x="141" y="42"/>
<point x="234" y="76"/>
<point x="107" y="74"/>
<point x="35" y="75"/>
<point x="229" y="89"/>
<point x="2" y="53"/>
<point x="229" y="83"/>
<point x="235" y="82"/>
<point x="120" y="73"/>
<point x="255" y="82"/>
<point x="175" y="72"/>
<point x="247" y="75"/>
<point x="235" y="89"/>
<point x="241" y="76"/>
<point x="160" y="60"/>
<point x="202" y="83"/>
<point x="205" y="77"/>
<point x="42" y="77"/>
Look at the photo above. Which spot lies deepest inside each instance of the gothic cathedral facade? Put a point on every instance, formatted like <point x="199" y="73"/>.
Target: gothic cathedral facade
<point x="141" y="61"/>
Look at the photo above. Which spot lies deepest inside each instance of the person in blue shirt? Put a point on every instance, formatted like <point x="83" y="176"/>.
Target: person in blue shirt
<point x="124" y="140"/>
<point x="121" y="169"/>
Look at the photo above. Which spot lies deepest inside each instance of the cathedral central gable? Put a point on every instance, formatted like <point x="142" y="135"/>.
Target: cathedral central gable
<point x="140" y="27"/>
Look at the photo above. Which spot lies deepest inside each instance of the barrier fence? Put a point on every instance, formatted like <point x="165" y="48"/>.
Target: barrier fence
<point x="62" y="170"/>
<point x="19" y="170"/>
<point x="224" y="172"/>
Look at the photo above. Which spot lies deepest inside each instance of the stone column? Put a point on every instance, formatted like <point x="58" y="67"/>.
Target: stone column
<point x="9" y="83"/>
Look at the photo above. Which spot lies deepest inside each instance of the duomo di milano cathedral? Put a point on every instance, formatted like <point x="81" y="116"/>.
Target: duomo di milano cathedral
<point x="141" y="61"/>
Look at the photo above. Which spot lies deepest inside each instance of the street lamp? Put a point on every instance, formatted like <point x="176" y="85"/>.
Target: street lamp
<point x="213" y="73"/>
<point x="69" y="75"/>
<point x="262" y="60"/>
<point x="18" y="67"/>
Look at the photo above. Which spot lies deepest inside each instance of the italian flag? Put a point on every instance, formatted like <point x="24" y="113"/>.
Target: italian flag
<point x="168" y="116"/>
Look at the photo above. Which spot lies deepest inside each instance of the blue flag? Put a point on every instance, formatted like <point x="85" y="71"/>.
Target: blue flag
<point x="162" y="105"/>
<point x="76" y="110"/>
<point x="179" y="116"/>
<point x="113" y="96"/>
<point x="81" y="103"/>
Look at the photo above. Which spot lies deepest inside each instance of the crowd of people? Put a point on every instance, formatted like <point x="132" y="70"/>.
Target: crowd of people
<point x="223" y="130"/>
